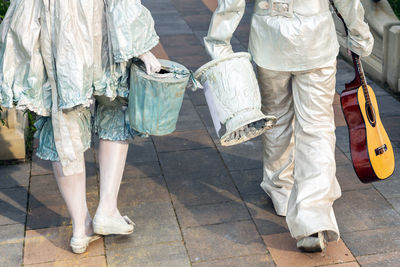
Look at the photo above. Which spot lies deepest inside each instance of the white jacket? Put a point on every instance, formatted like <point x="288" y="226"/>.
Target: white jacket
<point x="289" y="35"/>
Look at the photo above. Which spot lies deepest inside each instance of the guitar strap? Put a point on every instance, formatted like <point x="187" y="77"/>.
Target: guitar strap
<point x="340" y="16"/>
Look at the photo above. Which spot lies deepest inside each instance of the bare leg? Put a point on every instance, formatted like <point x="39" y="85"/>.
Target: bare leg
<point x="112" y="157"/>
<point x="73" y="191"/>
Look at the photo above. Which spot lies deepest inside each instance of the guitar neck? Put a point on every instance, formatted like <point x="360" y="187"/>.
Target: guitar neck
<point x="360" y="73"/>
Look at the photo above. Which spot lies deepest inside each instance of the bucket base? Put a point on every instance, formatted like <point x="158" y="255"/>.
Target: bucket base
<point x="245" y="119"/>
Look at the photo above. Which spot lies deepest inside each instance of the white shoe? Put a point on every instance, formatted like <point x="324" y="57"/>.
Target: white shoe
<point x="104" y="225"/>
<point x="80" y="244"/>
<point x="312" y="243"/>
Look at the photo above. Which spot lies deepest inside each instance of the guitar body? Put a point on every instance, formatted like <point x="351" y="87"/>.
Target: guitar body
<point x="371" y="150"/>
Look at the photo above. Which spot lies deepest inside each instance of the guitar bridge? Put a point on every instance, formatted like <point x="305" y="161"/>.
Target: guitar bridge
<point x="380" y="150"/>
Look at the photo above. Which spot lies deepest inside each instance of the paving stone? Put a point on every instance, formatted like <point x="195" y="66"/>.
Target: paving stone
<point x="142" y="190"/>
<point x="40" y="167"/>
<point x="13" y="202"/>
<point x="264" y="260"/>
<point x="197" y="97"/>
<point x="211" y="4"/>
<point x="188" y="46"/>
<point x="339" y="117"/>
<point x="395" y="203"/>
<point x="136" y="170"/>
<point x="248" y="181"/>
<point x="188" y="118"/>
<point x="15" y="175"/>
<point x="49" y="210"/>
<point x="11" y="254"/>
<point x="47" y="216"/>
<point x="383" y="260"/>
<point x="388" y="106"/>
<point x="364" y="210"/>
<point x="207" y="190"/>
<point x="11" y="245"/>
<point x="347" y="264"/>
<point x="245" y="156"/>
<point x="52" y="244"/>
<point x="242" y="32"/>
<point x="222" y="241"/>
<point x="183" y="141"/>
<point x="98" y="261"/>
<point x="171" y="23"/>
<point x="189" y="6"/>
<point x="43" y="184"/>
<point x="200" y="21"/>
<point x="389" y="188"/>
<point x="167" y="255"/>
<point x="159" y="51"/>
<point x="342" y="139"/>
<point x="212" y="214"/>
<point x="376" y="241"/>
<point x="264" y="215"/>
<point x="185" y="164"/>
<point x="90" y="162"/>
<point x="392" y="127"/>
<point x="285" y="253"/>
<point x="341" y="158"/>
<point x="141" y="151"/>
<point x="10" y="234"/>
<point x="207" y="120"/>
<point x="348" y="179"/>
<point x="155" y="223"/>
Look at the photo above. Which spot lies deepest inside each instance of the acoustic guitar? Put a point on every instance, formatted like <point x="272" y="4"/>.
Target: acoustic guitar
<point x="371" y="151"/>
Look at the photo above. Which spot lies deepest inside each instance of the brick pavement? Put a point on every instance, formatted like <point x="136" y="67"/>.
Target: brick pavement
<point x="195" y="202"/>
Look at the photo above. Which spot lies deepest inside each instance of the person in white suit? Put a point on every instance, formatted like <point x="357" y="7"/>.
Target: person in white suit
<point x="294" y="46"/>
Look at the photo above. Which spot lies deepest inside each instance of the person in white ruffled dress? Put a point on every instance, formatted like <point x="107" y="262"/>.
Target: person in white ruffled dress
<point x="55" y="56"/>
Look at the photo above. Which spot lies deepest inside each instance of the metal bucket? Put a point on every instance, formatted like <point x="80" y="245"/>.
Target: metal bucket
<point x="155" y="100"/>
<point x="233" y="97"/>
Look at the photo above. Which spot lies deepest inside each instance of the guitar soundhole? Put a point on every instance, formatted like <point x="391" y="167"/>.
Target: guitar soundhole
<point x="380" y="150"/>
<point x="369" y="110"/>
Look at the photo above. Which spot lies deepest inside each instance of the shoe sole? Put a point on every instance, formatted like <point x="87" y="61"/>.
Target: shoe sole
<point x="98" y="229"/>
<point x="82" y="249"/>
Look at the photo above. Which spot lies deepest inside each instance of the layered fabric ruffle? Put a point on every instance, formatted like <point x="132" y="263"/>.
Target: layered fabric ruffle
<point x="76" y="35"/>
<point x="45" y="133"/>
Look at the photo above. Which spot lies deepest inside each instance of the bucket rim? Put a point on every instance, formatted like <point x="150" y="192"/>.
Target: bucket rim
<point x="200" y="71"/>
<point x="164" y="63"/>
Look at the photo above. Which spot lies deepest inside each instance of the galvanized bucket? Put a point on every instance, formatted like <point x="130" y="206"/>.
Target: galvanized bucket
<point x="155" y="100"/>
<point x="233" y="97"/>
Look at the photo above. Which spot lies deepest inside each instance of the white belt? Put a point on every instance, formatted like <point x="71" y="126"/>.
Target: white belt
<point x="286" y="8"/>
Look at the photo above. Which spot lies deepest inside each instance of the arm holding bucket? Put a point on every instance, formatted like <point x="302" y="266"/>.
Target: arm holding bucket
<point x="131" y="28"/>
<point x="360" y="39"/>
<point x="223" y="24"/>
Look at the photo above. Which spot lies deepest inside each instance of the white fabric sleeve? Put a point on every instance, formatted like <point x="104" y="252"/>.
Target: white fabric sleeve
<point x="223" y="24"/>
<point x="360" y="39"/>
<point x="132" y="29"/>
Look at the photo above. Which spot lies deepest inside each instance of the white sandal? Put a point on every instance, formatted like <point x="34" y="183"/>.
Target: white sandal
<point x="79" y="245"/>
<point x="104" y="225"/>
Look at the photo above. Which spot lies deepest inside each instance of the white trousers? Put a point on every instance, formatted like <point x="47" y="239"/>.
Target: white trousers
<point x="299" y="152"/>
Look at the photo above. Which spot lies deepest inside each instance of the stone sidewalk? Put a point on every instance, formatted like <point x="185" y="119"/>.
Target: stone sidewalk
<point x="195" y="202"/>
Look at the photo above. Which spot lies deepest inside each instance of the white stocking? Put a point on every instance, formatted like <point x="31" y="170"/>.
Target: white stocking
<point x="73" y="191"/>
<point x="112" y="157"/>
